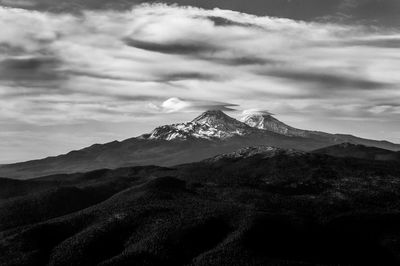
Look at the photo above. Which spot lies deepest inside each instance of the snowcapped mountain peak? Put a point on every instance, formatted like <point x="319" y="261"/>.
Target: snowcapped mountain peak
<point x="258" y="119"/>
<point x="220" y="120"/>
<point x="264" y="120"/>
<point x="211" y="114"/>
<point x="213" y="117"/>
<point x="213" y="124"/>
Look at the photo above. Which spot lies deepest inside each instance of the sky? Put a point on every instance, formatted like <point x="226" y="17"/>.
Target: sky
<point x="70" y="79"/>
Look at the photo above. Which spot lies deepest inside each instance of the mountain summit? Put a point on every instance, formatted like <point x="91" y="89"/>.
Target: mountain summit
<point x="215" y="117"/>
<point x="265" y="121"/>
<point x="212" y="124"/>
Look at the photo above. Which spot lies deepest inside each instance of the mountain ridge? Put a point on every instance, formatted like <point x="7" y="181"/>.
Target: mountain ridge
<point x="265" y="121"/>
<point x="210" y="134"/>
<point x="209" y="125"/>
<point x="310" y="209"/>
<point x="264" y="151"/>
<point x="359" y="151"/>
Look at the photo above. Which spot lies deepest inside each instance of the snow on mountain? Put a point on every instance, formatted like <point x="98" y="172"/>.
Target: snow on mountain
<point x="216" y="125"/>
<point x="265" y="121"/>
<point x="208" y="135"/>
<point x="209" y="125"/>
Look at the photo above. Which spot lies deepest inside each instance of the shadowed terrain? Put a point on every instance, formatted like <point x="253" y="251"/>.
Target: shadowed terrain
<point x="359" y="151"/>
<point x="255" y="206"/>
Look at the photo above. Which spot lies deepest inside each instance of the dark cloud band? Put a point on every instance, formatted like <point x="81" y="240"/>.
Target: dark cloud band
<point x="326" y="80"/>
<point x="172" y="48"/>
<point x="32" y="71"/>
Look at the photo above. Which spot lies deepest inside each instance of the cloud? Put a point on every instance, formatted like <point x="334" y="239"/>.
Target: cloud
<point x="172" y="48"/>
<point x="378" y="41"/>
<point x="190" y="76"/>
<point x="243" y="60"/>
<point x="327" y="80"/>
<point x="18" y="3"/>
<point x="121" y="65"/>
<point x="225" y="22"/>
<point x="370" y="12"/>
<point x="30" y="71"/>
<point x="256" y="111"/>
<point x="175" y="104"/>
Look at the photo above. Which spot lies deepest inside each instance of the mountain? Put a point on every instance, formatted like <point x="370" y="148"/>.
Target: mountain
<point x="211" y="124"/>
<point x="210" y="134"/>
<point x="359" y="151"/>
<point x="265" y="121"/>
<point x="264" y="206"/>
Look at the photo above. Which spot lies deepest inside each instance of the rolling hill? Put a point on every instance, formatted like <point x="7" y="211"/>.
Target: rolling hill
<point x="255" y="206"/>
<point x="359" y="151"/>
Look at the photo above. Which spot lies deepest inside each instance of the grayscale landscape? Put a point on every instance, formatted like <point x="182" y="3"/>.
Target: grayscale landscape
<point x="186" y="132"/>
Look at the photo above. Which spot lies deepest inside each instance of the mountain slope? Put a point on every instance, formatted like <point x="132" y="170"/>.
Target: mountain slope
<point x="139" y="151"/>
<point x="265" y="121"/>
<point x="210" y="134"/>
<point x="211" y="124"/>
<point x="359" y="151"/>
